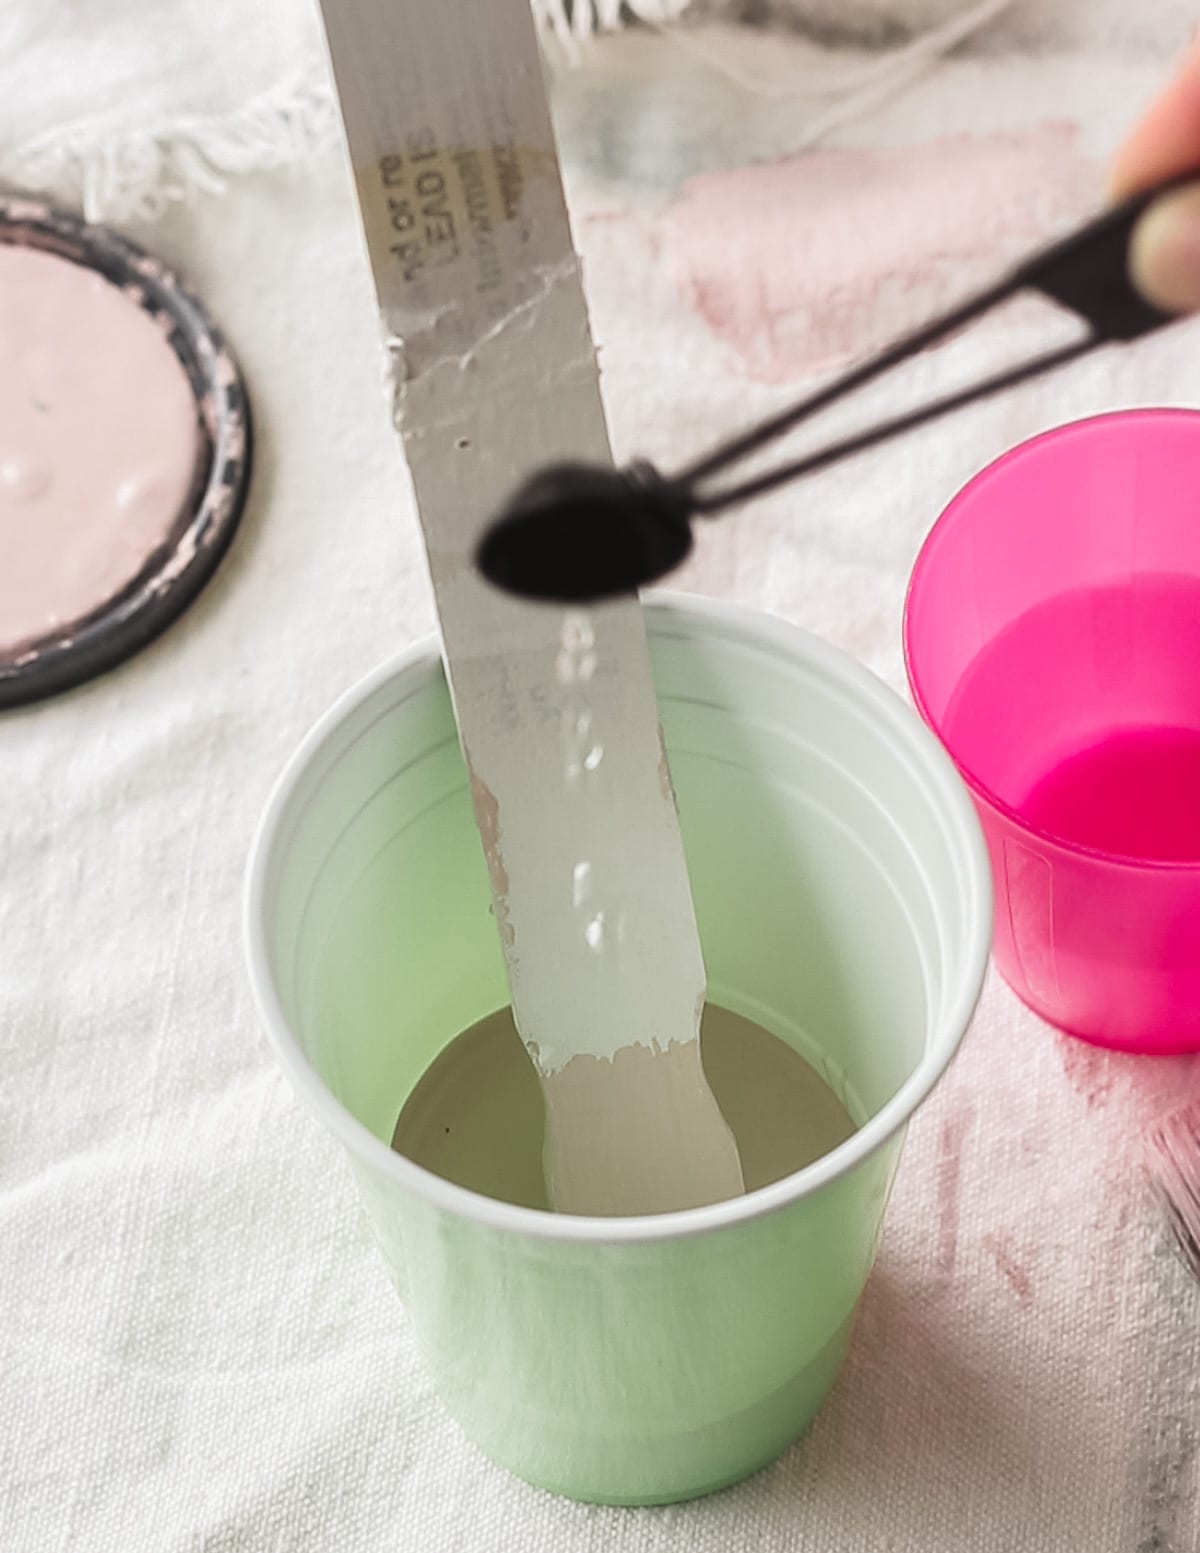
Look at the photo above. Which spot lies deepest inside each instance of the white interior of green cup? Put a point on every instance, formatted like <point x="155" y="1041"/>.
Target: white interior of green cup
<point x="840" y="880"/>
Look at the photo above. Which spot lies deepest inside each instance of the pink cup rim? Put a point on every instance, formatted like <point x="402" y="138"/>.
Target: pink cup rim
<point x="951" y="514"/>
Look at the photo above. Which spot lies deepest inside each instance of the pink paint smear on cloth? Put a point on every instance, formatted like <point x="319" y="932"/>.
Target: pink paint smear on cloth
<point x="802" y="264"/>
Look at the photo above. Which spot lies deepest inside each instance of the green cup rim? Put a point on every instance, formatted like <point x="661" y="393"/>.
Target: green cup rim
<point x="664" y="611"/>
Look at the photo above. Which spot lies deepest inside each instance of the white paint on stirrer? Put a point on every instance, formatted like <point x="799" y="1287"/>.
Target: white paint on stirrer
<point x="494" y="373"/>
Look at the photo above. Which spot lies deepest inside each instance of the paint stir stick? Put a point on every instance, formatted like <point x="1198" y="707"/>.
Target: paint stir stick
<point x="494" y="372"/>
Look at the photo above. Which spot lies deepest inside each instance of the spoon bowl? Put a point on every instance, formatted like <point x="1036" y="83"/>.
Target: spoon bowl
<point x="576" y="533"/>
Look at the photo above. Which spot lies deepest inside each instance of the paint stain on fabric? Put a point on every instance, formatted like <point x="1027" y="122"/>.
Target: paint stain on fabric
<point x="1090" y="1070"/>
<point x="947" y="1185"/>
<point x="801" y="264"/>
<point x="1016" y="1273"/>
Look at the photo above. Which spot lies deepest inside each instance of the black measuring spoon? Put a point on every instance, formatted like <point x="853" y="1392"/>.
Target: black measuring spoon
<point x="574" y="533"/>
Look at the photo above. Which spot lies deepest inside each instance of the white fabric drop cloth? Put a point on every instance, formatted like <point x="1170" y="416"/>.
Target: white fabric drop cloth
<point x="200" y="1351"/>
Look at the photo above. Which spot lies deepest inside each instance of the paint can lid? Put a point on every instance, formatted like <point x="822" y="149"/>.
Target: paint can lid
<point x="170" y="577"/>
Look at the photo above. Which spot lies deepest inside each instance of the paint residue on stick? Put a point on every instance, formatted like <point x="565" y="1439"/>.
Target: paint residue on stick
<point x="638" y="1124"/>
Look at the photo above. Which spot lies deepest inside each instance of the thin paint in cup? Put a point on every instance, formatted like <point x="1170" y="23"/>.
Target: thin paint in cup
<point x="1072" y="715"/>
<point x="477" y="1117"/>
<point x="843" y="901"/>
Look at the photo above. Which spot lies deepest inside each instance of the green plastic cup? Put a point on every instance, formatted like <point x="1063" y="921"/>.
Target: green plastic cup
<point x="844" y="902"/>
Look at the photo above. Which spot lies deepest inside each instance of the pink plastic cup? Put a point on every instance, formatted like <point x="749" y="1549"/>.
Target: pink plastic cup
<point x="1052" y="635"/>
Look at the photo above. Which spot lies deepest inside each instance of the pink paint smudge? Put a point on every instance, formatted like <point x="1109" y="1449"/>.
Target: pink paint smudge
<point x="1091" y="1071"/>
<point x="947" y="1181"/>
<point x="999" y="1247"/>
<point x="803" y="263"/>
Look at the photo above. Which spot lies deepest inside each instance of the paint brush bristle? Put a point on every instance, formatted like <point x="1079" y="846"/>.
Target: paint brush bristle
<point x="1173" y="1156"/>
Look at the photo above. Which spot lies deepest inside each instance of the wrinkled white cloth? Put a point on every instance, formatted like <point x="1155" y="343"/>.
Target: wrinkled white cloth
<point x="200" y="1351"/>
<point x="124" y="107"/>
<point x="1031" y="24"/>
